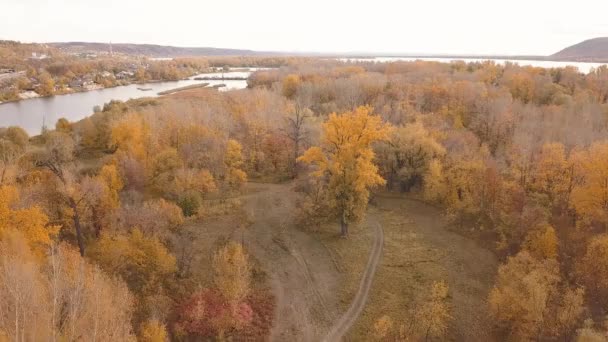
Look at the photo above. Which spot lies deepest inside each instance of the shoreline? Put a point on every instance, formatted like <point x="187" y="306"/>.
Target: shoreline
<point x="188" y="87"/>
<point x="88" y="90"/>
<point x="237" y="69"/>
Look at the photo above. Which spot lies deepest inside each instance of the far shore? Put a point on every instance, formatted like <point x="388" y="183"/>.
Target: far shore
<point x="188" y="87"/>
<point x="100" y="87"/>
<point x="84" y="90"/>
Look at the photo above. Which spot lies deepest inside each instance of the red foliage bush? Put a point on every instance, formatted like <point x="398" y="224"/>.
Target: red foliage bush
<point x="207" y="313"/>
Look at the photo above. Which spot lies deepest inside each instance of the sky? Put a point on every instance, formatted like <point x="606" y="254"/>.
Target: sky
<point x="510" y="27"/>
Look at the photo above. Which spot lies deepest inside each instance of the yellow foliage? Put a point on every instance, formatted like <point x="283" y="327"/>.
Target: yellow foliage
<point x="346" y="158"/>
<point x="131" y="135"/>
<point x="593" y="269"/>
<point x="521" y="86"/>
<point x="407" y="155"/>
<point x="520" y="299"/>
<point x="589" y="334"/>
<point x="463" y="185"/>
<point x="63" y="125"/>
<point x="234" y="177"/>
<point x="170" y="212"/>
<point x="570" y="310"/>
<point x="383" y="327"/>
<point x="434" y="315"/>
<point x="165" y="161"/>
<point x="550" y="173"/>
<point x="143" y="262"/>
<point x="542" y="243"/>
<point x="434" y="183"/>
<point x="590" y="199"/>
<point x="111" y="178"/>
<point x="290" y="85"/>
<point x="62" y="297"/>
<point x="153" y="331"/>
<point x="232" y="272"/>
<point x="234" y="154"/>
<point x="31" y="222"/>
<point x="190" y="179"/>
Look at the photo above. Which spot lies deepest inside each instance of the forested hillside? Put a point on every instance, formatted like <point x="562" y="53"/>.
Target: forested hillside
<point x="170" y="218"/>
<point x="151" y="50"/>
<point x="595" y="49"/>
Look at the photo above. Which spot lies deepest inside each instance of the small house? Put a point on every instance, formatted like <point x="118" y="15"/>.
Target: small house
<point x="124" y="75"/>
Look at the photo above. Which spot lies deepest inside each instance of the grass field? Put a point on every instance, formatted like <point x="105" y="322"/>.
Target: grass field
<point x="314" y="276"/>
<point x="418" y="250"/>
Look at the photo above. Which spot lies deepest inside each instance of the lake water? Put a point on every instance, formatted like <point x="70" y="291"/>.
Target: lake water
<point x="582" y="66"/>
<point x="31" y="114"/>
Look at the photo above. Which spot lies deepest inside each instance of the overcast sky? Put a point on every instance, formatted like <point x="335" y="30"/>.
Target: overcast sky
<point x="538" y="27"/>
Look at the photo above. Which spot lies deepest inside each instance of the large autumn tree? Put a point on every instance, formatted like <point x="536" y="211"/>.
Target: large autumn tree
<point x="344" y="160"/>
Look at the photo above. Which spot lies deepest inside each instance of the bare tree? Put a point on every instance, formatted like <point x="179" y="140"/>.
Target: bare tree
<point x="295" y="128"/>
<point x="57" y="156"/>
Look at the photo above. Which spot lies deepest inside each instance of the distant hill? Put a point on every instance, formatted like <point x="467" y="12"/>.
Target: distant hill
<point x="151" y="50"/>
<point x="590" y="50"/>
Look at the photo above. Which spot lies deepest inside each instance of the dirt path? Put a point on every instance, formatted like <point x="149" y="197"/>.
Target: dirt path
<point x="350" y="316"/>
<point x="300" y="270"/>
<point x="411" y="248"/>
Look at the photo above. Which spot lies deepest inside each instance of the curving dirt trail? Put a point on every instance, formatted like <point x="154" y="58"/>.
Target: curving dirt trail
<point x="305" y="274"/>
<point x="347" y="320"/>
<point x="299" y="268"/>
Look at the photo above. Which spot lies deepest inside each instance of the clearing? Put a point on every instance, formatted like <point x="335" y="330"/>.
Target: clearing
<point x="316" y="277"/>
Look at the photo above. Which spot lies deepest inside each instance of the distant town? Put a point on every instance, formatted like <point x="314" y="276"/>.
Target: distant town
<point x="37" y="70"/>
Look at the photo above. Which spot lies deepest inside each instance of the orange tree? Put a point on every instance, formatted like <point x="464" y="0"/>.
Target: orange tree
<point x="344" y="160"/>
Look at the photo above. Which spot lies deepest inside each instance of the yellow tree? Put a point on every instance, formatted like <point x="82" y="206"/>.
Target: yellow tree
<point x="435" y="187"/>
<point x="59" y="298"/>
<point x="406" y="158"/>
<point x="153" y="331"/>
<point x="31" y="222"/>
<point x="111" y="178"/>
<point x="550" y="174"/>
<point x="47" y="84"/>
<point x="383" y="327"/>
<point x="290" y="85"/>
<point x="131" y="135"/>
<point x="234" y="176"/>
<point x="593" y="268"/>
<point x="590" y="199"/>
<point x="542" y="242"/>
<point x="143" y="262"/>
<point x="345" y="159"/>
<point x="232" y="272"/>
<point x="519" y="301"/>
<point x="434" y="315"/>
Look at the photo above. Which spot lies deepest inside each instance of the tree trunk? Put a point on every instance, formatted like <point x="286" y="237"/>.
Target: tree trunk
<point x="343" y="228"/>
<point x="96" y="221"/>
<point x="296" y="151"/>
<point x="76" y="219"/>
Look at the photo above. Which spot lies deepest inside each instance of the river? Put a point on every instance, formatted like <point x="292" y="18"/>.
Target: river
<point x="583" y="67"/>
<point x="31" y="114"/>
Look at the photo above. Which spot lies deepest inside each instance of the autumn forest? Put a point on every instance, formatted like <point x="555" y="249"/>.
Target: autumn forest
<point x="400" y="201"/>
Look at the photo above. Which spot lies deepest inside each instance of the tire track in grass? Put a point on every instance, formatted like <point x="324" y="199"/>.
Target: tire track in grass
<point x="347" y="320"/>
